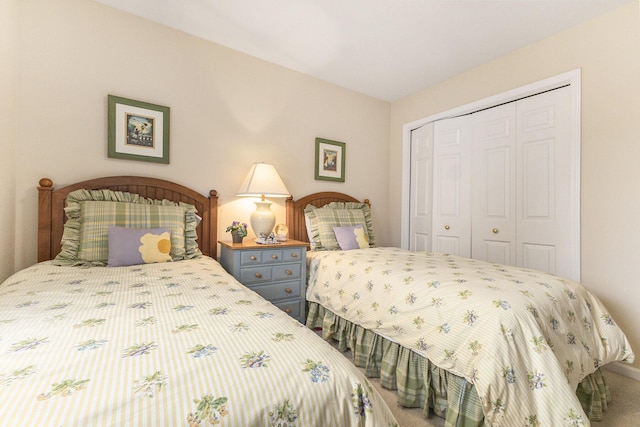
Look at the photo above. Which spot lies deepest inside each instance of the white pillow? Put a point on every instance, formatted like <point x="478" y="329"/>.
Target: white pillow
<point x="307" y="224"/>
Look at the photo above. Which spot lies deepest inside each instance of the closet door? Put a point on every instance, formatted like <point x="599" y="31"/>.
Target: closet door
<point x="451" y="186"/>
<point x="506" y="184"/>
<point x="493" y="185"/>
<point x="547" y="197"/>
<point x="421" y="176"/>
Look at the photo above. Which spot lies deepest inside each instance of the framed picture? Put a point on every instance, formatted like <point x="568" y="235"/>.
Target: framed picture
<point x="138" y="130"/>
<point x="330" y="158"/>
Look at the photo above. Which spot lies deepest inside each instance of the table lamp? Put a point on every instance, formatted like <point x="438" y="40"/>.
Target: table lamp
<point x="263" y="181"/>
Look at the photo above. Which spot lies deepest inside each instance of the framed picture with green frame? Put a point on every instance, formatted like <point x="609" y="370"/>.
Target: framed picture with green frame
<point x="138" y="130"/>
<point x="330" y="160"/>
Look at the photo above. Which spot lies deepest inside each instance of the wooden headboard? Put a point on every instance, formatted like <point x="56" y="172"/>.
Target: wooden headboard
<point x="51" y="203"/>
<point x="295" y="210"/>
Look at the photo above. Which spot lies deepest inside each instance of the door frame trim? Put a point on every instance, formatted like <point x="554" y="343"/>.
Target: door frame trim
<point x="571" y="78"/>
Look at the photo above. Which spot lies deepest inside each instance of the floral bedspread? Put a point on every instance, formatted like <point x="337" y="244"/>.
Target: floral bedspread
<point x="171" y="344"/>
<point x="525" y="339"/>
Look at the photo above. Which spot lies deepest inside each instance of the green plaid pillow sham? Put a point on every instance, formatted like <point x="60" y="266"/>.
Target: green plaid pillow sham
<point x="90" y="213"/>
<point x="336" y="214"/>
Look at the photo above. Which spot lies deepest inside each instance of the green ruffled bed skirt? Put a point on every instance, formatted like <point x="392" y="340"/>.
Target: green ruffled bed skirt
<point x="421" y="384"/>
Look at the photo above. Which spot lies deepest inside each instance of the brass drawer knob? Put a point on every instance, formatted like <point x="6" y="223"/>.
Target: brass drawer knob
<point x="294" y="255"/>
<point x="446" y="227"/>
<point x="274" y="256"/>
<point x="288" y="290"/>
<point x="289" y="272"/>
<point x="495" y="231"/>
<point x="287" y="310"/>
<point x="258" y="276"/>
<point x="253" y="257"/>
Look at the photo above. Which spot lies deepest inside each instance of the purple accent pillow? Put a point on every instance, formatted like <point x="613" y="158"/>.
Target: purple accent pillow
<point x="132" y="246"/>
<point x="351" y="237"/>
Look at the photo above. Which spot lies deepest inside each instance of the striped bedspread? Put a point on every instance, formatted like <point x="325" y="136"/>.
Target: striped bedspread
<point x="170" y="344"/>
<point x="525" y="339"/>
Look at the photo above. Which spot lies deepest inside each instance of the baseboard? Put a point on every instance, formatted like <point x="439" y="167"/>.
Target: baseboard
<point x="624" y="369"/>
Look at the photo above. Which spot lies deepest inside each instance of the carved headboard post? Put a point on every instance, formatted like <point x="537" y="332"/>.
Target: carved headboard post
<point x="212" y="233"/>
<point x="291" y="220"/>
<point x="45" y="192"/>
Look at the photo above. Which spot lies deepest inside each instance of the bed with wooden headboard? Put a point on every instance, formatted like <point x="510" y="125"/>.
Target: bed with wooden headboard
<point x="149" y="341"/>
<point x="454" y="335"/>
<point x="295" y="210"/>
<point x="51" y="202"/>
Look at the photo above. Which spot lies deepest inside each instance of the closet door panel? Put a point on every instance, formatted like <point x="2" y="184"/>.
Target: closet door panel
<point x="451" y="186"/>
<point x="421" y="189"/>
<point x="540" y="257"/>
<point x="545" y="183"/>
<point x="499" y="252"/>
<point x="538" y="181"/>
<point x="493" y="234"/>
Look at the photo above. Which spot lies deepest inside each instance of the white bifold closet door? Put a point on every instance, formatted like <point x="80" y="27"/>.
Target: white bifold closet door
<point x="494" y="185"/>
<point x="420" y="201"/>
<point x="452" y="186"/>
<point x="501" y="187"/>
<point x="546" y="192"/>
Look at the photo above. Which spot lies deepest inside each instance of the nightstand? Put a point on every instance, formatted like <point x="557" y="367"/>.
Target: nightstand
<point x="277" y="272"/>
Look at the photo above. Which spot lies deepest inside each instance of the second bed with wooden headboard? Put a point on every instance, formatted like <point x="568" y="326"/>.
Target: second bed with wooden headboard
<point x="295" y="210"/>
<point x="124" y="340"/>
<point x="475" y="342"/>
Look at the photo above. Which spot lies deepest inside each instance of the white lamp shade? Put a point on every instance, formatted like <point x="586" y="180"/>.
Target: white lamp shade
<point x="263" y="181"/>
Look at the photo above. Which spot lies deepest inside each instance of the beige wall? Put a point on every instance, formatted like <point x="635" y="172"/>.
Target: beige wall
<point x="228" y="110"/>
<point x="607" y="49"/>
<point x="8" y="93"/>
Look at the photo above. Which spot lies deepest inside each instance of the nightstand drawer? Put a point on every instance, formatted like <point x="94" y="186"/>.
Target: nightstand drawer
<point x="292" y="308"/>
<point x="272" y="255"/>
<point x="286" y="271"/>
<point x="251" y="258"/>
<point x="294" y="254"/>
<point x="279" y="291"/>
<point x="260" y="274"/>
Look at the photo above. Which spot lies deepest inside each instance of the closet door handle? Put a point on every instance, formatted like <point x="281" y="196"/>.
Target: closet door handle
<point x="495" y="231"/>
<point x="446" y="227"/>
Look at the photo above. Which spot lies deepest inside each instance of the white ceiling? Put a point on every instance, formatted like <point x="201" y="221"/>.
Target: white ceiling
<point x="383" y="48"/>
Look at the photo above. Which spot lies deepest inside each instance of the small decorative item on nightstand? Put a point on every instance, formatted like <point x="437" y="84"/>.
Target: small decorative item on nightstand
<point x="238" y="231"/>
<point x="267" y="240"/>
<point x="277" y="272"/>
<point x="282" y="232"/>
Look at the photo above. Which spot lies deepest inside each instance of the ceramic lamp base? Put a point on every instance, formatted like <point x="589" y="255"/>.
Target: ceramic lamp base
<point x="262" y="219"/>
